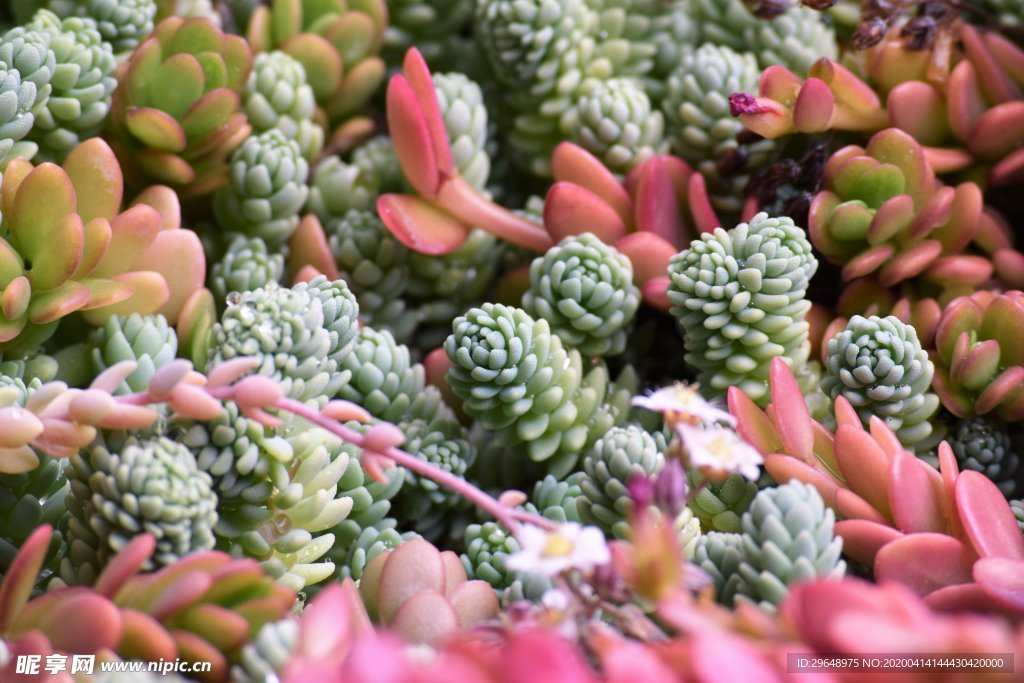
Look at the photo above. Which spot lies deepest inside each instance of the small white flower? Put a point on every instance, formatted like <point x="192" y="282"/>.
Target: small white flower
<point x="570" y="546"/>
<point x="721" y="450"/>
<point x="682" y="403"/>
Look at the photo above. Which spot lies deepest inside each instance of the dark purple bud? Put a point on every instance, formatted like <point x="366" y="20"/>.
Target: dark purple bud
<point x="919" y="33"/>
<point x="881" y="9"/>
<point x="732" y="161"/>
<point x="767" y="9"/>
<point x="870" y="32"/>
<point x="670" y="489"/>
<point x="819" y="5"/>
<point x="641" y="491"/>
<point x="742" y="103"/>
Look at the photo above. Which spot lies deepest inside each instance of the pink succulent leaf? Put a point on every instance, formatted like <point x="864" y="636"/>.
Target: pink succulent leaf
<point x="987" y="518"/>
<point x="571" y="209"/>
<point x="655" y="293"/>
<point x="572" y="164"/>
<point x="784" y="467"/>
<point x="851" y="506"/>
<point x="912" y="498"/>
<point x="1002" y="579"/>
<point x="412" y="139"/>
<point x="421" y="226"/>
<point x="126" y="564"/>
<point x="649" y="254"/>
<point x="464" y="202"/>
<point x="862" y="539"/>
<point x="925" y="562"/>
<point x="753" y="424"/>
<point x="701" y="209"/>
<point x="21" y="576"/>
<point x="415" y="70"/>
<point x="919" y="109"/>
<point x="308" y="246"/>
<point x="865" y="466"/>
<point x="991" y="77"/>
<point x="720" y="657"/>
<point x="762" y="115"/>
<point x="814" y="107"/>
<point x="658" y="202"/>
<point x="791" y="414"/>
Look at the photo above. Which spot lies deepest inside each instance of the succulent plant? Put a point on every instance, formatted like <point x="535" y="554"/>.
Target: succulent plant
<point x="16" y="121"/>
<point x="986" y="446"/>
<point x="883" y="212"/>
<point x="556" y="499"/>
<point x="615" y="121"/>
<point x="609" y="465"/>
<point x="584" y="289"/>
<point x="236" y="451"/>
<point x="371" y="541"/>
<point x="338" y="187"/>
<point x="488" y="547"/>
<point x="461" y="103"/>
<point x="80" y="86"/>
<point x="277" y="96"/>
<point x="795" y="39"/>
<point x="30" y="500"/>
<point x="267" y="189"/>
<point x="878" y="365"/>
<point x="26" y="48"/>
<point x="977" y="368"/>
<point x="99" y="270"/>
<point x="738" y="295"/>
<point x="336" y="41"/>
<point x="266" y="655"/>
<point x="300" y="334"/>
<point x="719" y="555"/>
<point x="148" y="341"/>
<point x="441" y="445"/>
<point x="289" y="533"/>
<point x="517" y="380"/>
<point x="1018" y="512"/>
<point x="246" y="265"/>
<point x="122" y="23"/>
<point x="176" y="121"/>
<point x="423" y="593"/>
<point x="719" y="505"/>
<point x="698" y="121"/>
<point x="431" y="25"/>
<point x="375" y="265"/>
<point x="141" y="486"/>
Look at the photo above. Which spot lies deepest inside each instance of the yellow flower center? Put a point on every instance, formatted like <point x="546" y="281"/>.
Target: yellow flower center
<point x="557" y="546"/>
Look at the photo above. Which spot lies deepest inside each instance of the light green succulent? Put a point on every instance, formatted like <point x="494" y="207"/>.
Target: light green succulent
<point x="264" y="658"/>
<point x="267" y="188"/>
<point x="371" y="541"/>
<point x="614" y="459"/>
<point x="122" y="23"/>
<point x="82" y="83"/>
<point x="795" y="39"/>
<point x="719" y="505"/>
<point x="738" y="296"/>
<point x="118" y="492"/>
<point x="556" y="499"/>
<point x="290" y="533"/>
<point x="376" y="266"/>
<point x="278" y="96"/>
<point x="246" y="265"/>
<point x="615" y="121"/>
<point x="300" y="334"/>
<point x="788" y="537"/>
<point x="518" y="381"/>
<point x="584" y="289"/>
<point x="430" y="25"/>
<point x="19" y="99"/>
<point x="878" y="365"/>
<point x="146" y="340"/>
<point x="461" y="103"/>
<point x="441" y="445"/>
<point x="701" y="127"/>
<point x="338" y="187"/>
<point x="27" y="501"/>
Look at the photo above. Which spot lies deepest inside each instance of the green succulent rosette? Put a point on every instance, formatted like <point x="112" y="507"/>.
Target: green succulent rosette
<point x="434" y="27"/>
<point x="515" y="377"/>
<point x="986" y="445"/>
<point x="146" y="340"/>
<point x="122" y="23"/>
<point x="277" y="96"/>
<point x="584" y="289"/>
<point x="264" y="658"/>
<point x="878" y="365"/>
<point x="1018" y="512"/>
<point x="719" y="505"/>
<point x="556" y="499"/>
<point x="376" y="266"/>
<point x="247" y="265"/>
<point x="795" y="39"/>
<point x="738" y="296"/>
<point x="117" y="492"/>
<point x="267" y="189"/>
<point x="338" y="187"/>
<point x="461" y="103"/>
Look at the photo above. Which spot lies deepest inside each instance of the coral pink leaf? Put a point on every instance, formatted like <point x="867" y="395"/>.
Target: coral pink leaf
<point x="998" y="131"/>
<point x="1009" y="170"/>
<point x="411" y="134"/>
<point x="412" y="567"/>
<point x="945" y="160"/>
<point x="862" y="538"/>
<point x="964" y="99"/>
<point x="717" y="656"/>
<point x="1001" y="389"/>
<point x="84" y="623"/>
<point x="165" y="201"/>
<point x="21" y="575"/>
<point x="991" y="77"/>
<point x="473" y="602"/>
<point x="868" y="261"/>
<point x="910" y="263"/>
<point x="421" y="226"/>
<point x="865" y="466"/>
<point x="763" y="116"/>
<point x="814" y="107"/>
<point x="919" y="109"/>
<point x="1009" y="265"/>
<point x="780" y="84"/>
<point x="1003" y="580"/>
<point x="851" y="506"/>
<point x="178" y="256"/>
<point x="784" y="467"/>
<point x="308" y="247"/>
<point x="967" y="597"/>
<point x="925" y="562"/>
<point x="185" y="591"/>
<point x="792" y="418"/>
<point x="752" y="423"/>
<point x="149" y="293"/>
<point x="1004" y="322"/>
<point x="132" y="232"/>
<point x="143" y="638"/>
<point x="701" y="210"/>
<point x="977" y="367"/>
<point x="657" y="203"/>
<point x="915" y="506"/>
<point x="97" y="179"/>
<point x="571" y="163"/>
<point x="571" y="209"/>
<point x="987" y="518"/>
<point x="655" y="293"/>
<point x="415" y="70"/>
<point x="649" y="253"/>
<point x="884" y="436"/>
<point x="47" y="307"/>
<point x="192" y="648"/>
<point x="962" y="269"/>
<point x="464" y="202"/>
